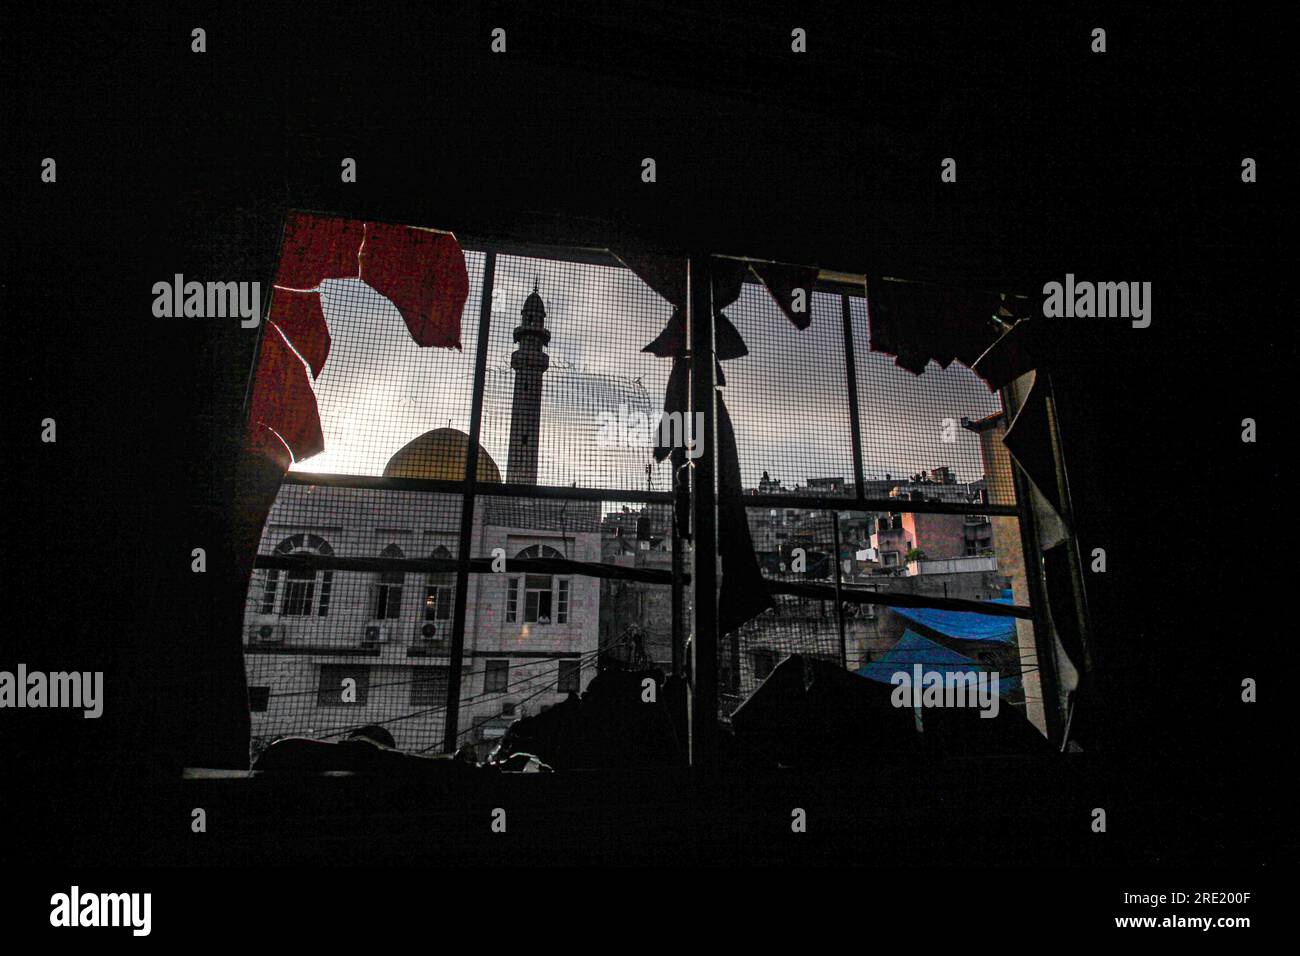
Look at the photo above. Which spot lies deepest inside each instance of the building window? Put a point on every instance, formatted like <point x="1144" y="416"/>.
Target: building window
<point x="268" y="593"/>
<point x="388" y="590"/>
<point x="509" y="709"/>
<point x="562" y="601"/>
<point x="439" y="590"/>
<point x="258" y="697"/>
<point x="429" y="686"/>
<point x="496" y="676"/>
<point x="537" y="598"/>
<point x="764" y="663"/>
<point x="299" y="591"/>
<point x="335" y="689"/>
<point x="542" y="594"/>
<point x="570" y="680"/>
<point x="512" y="600"/>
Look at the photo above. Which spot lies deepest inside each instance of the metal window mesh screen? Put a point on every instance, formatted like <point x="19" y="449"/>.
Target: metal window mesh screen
<point x="379" y="390"/>
<point x="788" y="398"/>
<point x="618" y="620"/>
<point x="912" y="425"/>
<point x="332" y="649"/>
<point x="340" y="634"/>
<point x="307" y="630"/>
<point x="970" y="557"/>
<point x="573" y="402"/>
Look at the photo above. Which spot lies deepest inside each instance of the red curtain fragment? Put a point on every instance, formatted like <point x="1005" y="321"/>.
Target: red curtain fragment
<point x="316" y="248"/>
<point x="284" y="405"/>
<point x="423" y="274"/>
<point x="298" y="315"/>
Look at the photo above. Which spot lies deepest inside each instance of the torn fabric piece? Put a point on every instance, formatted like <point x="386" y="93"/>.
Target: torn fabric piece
<point x="298" y="315"/>
<point x="671" y="342"/>
<point x="781" y="282"/>
<point x="423" y="274"/>
<point x="1016" y="352"/>
<point x="316" y="248"/>
<point x="742" y="594"/>
<point x="1029" y="440"/>
<point x="1060" y="602"/>
<point x="916" y="322"/>
<point x="728" y="275"/>
<point x="283" y="422"/>
<point x="727" y="342"/>
<point x="676" y="399"/>
<point x="666" y="275"/>
<point x="728" y="278"/>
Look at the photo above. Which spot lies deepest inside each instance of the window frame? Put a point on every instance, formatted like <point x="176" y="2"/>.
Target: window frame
<point x="496" y="670"/>
<point x="303" y="542"/>
<point x="388" y="589"/>
<point x="569" y="672"/>
<point x="521" y="607"/>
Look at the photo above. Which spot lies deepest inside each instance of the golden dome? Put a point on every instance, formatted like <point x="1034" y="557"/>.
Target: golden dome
<point x="439" y="454"/>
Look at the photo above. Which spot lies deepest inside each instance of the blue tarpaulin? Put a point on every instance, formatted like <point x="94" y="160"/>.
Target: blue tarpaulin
<point x="912" y="649"/>
<point x="965" y="625"/>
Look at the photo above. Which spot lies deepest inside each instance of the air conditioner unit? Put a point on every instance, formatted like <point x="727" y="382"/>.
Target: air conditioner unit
<point x="431" y="633"/>
<point x="377" y="634"/>
<point x="267" y="633"/>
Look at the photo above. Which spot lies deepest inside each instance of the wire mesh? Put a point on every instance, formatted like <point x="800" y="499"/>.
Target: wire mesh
<point x="570" y="400"/>
<point x="308" y="630"/>
<point x="378" y="390"/>
<point x="964" y="556"/>
<point x="788" y="398"/>
<point x="918" y="431"/>
<point x="330" y="648"/>
<point x="573" y="401"/>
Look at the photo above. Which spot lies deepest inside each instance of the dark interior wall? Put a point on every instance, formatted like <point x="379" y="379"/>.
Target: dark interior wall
<point x="1122" y="167"/>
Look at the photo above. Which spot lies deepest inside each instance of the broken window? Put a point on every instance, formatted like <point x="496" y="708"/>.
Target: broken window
<point x="833" y="440"/>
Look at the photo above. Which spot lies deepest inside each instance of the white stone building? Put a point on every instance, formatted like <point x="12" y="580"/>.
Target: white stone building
<point x="327" y="651"/>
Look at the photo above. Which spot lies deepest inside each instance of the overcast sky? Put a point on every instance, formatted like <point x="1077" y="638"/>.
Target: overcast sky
<point x="378" y="390"/>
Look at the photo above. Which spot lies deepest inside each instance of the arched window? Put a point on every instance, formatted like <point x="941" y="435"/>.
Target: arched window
<point x="439" y="590"/>
<point x="538" y="598"/>
<point x="302" y="591"/>
<point x="388" y="588"/>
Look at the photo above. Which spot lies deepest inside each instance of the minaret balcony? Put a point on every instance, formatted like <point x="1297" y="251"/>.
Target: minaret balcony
<point x="540" y="335"/>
